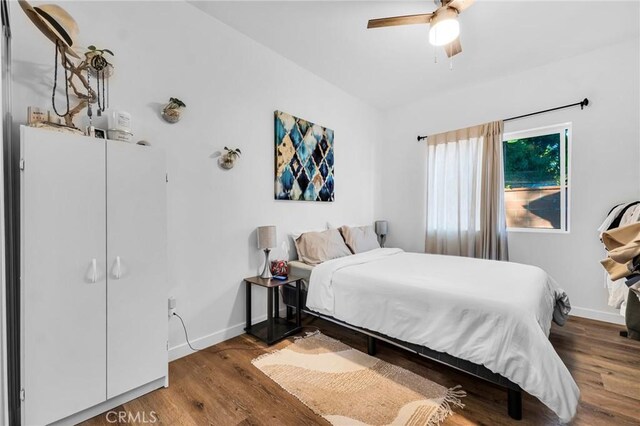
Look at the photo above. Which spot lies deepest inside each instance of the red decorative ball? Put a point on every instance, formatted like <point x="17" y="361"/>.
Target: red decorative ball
<point x="280" y="267"/>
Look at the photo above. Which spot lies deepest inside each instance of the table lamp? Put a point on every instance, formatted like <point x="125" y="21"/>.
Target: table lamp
<point x="381" y="230"/>
<point x="266" y="240"/>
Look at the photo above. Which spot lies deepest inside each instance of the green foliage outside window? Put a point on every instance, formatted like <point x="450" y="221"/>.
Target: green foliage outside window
<point x="532" y="162"/>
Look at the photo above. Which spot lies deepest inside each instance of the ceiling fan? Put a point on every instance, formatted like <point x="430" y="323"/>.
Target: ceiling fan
<point x="445" y="29"/>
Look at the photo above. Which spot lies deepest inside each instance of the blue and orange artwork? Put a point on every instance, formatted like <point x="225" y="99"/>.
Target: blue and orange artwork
<point x="304" y="160"/>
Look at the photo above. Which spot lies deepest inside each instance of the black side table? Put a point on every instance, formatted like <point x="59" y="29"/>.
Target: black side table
<point x="274" y="328"/>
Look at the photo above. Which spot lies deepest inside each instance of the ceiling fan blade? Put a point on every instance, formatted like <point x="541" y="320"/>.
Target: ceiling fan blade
<point x="424" y="18"/>
<point x="460" y="5"/>
<point x="453" y="48"/>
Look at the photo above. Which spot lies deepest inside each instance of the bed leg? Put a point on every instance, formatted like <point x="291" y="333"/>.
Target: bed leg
<point x="514" y="401"/>
<point x="371" y="345"/>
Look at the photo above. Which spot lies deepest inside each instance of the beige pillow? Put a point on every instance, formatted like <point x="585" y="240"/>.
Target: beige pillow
<point x="360" y="239"/>
<point x="317" y="247"/>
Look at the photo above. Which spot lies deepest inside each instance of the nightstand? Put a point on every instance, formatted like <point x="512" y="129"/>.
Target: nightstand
<point x="274" y="328"/>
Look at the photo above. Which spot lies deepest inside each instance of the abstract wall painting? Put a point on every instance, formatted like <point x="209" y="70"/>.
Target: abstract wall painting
<point x="304" y="160"/>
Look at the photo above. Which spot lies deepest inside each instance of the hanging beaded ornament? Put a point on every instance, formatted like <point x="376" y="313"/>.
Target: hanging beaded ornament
<point x="61" y="51"/>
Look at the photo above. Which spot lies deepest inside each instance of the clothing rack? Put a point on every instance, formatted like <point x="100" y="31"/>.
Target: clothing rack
<point x="583" y="103"/>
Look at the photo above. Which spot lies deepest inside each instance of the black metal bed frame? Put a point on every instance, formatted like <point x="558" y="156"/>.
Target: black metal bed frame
<point x="514" y="392"/>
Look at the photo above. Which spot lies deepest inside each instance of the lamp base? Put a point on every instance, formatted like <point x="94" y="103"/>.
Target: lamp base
<point x="266" y="272"/>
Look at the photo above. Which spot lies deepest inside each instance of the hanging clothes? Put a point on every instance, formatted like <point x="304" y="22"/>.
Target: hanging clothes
<point x="621" y="215"/>
<point x="613" y="214"/>
<point x="623" y="245"/>
<point x="624" y="216"/>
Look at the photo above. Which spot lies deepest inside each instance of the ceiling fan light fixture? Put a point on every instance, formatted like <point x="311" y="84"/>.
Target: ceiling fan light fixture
<point x="444" y="27"/>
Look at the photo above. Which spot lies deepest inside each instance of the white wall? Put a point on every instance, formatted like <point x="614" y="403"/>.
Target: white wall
<point x="604" y="161"/>
<point x="231" y="86"/>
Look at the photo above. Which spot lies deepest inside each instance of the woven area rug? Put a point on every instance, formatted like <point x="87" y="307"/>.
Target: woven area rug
<point x="348" y="387"/>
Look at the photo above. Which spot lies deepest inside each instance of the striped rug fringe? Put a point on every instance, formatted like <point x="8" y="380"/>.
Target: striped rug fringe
<point x="445" y="409"/>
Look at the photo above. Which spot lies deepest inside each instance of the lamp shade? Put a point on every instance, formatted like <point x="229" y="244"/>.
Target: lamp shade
<point x="381" y="227"/>
<point x="266" y="237"/>
<point x="444" y="27"/>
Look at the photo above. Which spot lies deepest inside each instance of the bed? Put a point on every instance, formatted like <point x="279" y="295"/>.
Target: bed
<point x="484" y="317"/>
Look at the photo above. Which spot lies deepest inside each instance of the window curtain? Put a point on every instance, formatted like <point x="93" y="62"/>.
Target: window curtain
<point x="465" y="193"/>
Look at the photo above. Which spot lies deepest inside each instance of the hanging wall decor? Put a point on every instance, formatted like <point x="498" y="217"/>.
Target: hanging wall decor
<point x="172" y="112"/>
<point x="100" y="69"/>
<point x="304" y="160"/>
<point x="228" y="159"/>
<point x="59" y="27"/>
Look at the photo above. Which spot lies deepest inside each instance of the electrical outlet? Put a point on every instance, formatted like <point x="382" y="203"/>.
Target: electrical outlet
<point x="172" y="306"/>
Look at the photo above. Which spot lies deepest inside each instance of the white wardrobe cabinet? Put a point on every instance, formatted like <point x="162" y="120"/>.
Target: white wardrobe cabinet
<point x="136" y="253"/>
<point x="93" y="281"/>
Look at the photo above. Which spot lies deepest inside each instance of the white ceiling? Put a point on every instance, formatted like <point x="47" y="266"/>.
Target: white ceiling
<point x="387" y="67"/>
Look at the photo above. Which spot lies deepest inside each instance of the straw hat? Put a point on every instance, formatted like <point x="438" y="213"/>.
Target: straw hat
<point x="54" y="22"/>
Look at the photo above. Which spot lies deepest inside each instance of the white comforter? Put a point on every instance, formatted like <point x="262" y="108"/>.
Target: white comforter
<point x="497" y="314"/>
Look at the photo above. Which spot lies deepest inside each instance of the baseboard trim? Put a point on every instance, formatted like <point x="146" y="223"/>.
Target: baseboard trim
<point x="112" y="403"/>
<point x="204" y="342"/>
<point x="611" y="317"/>
<point x="220" y="336"/>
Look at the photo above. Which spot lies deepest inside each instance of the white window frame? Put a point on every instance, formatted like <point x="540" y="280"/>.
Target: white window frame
<point x="565" y="184"/>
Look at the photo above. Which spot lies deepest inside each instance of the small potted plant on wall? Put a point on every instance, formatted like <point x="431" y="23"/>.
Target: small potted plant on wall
<point x="172" y="112"/>
<point x="95" y="57"/>
<point x="228" y="159"/>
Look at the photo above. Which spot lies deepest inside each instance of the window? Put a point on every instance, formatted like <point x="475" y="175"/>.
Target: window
<point x="536" y="178"/>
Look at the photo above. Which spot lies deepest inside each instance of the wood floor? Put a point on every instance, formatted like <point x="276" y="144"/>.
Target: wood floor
<point x="219" y="386"/>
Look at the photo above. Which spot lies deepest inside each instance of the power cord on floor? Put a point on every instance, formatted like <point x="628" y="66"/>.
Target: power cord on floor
<point x="186" y="336"/>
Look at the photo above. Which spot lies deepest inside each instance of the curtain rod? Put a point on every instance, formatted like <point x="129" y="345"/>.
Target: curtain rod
<point x="583" y="103"/>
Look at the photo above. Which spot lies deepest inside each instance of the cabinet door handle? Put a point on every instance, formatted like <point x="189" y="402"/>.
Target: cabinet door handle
<point x="118" y="271"/>
<point x="94" y="270"/>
